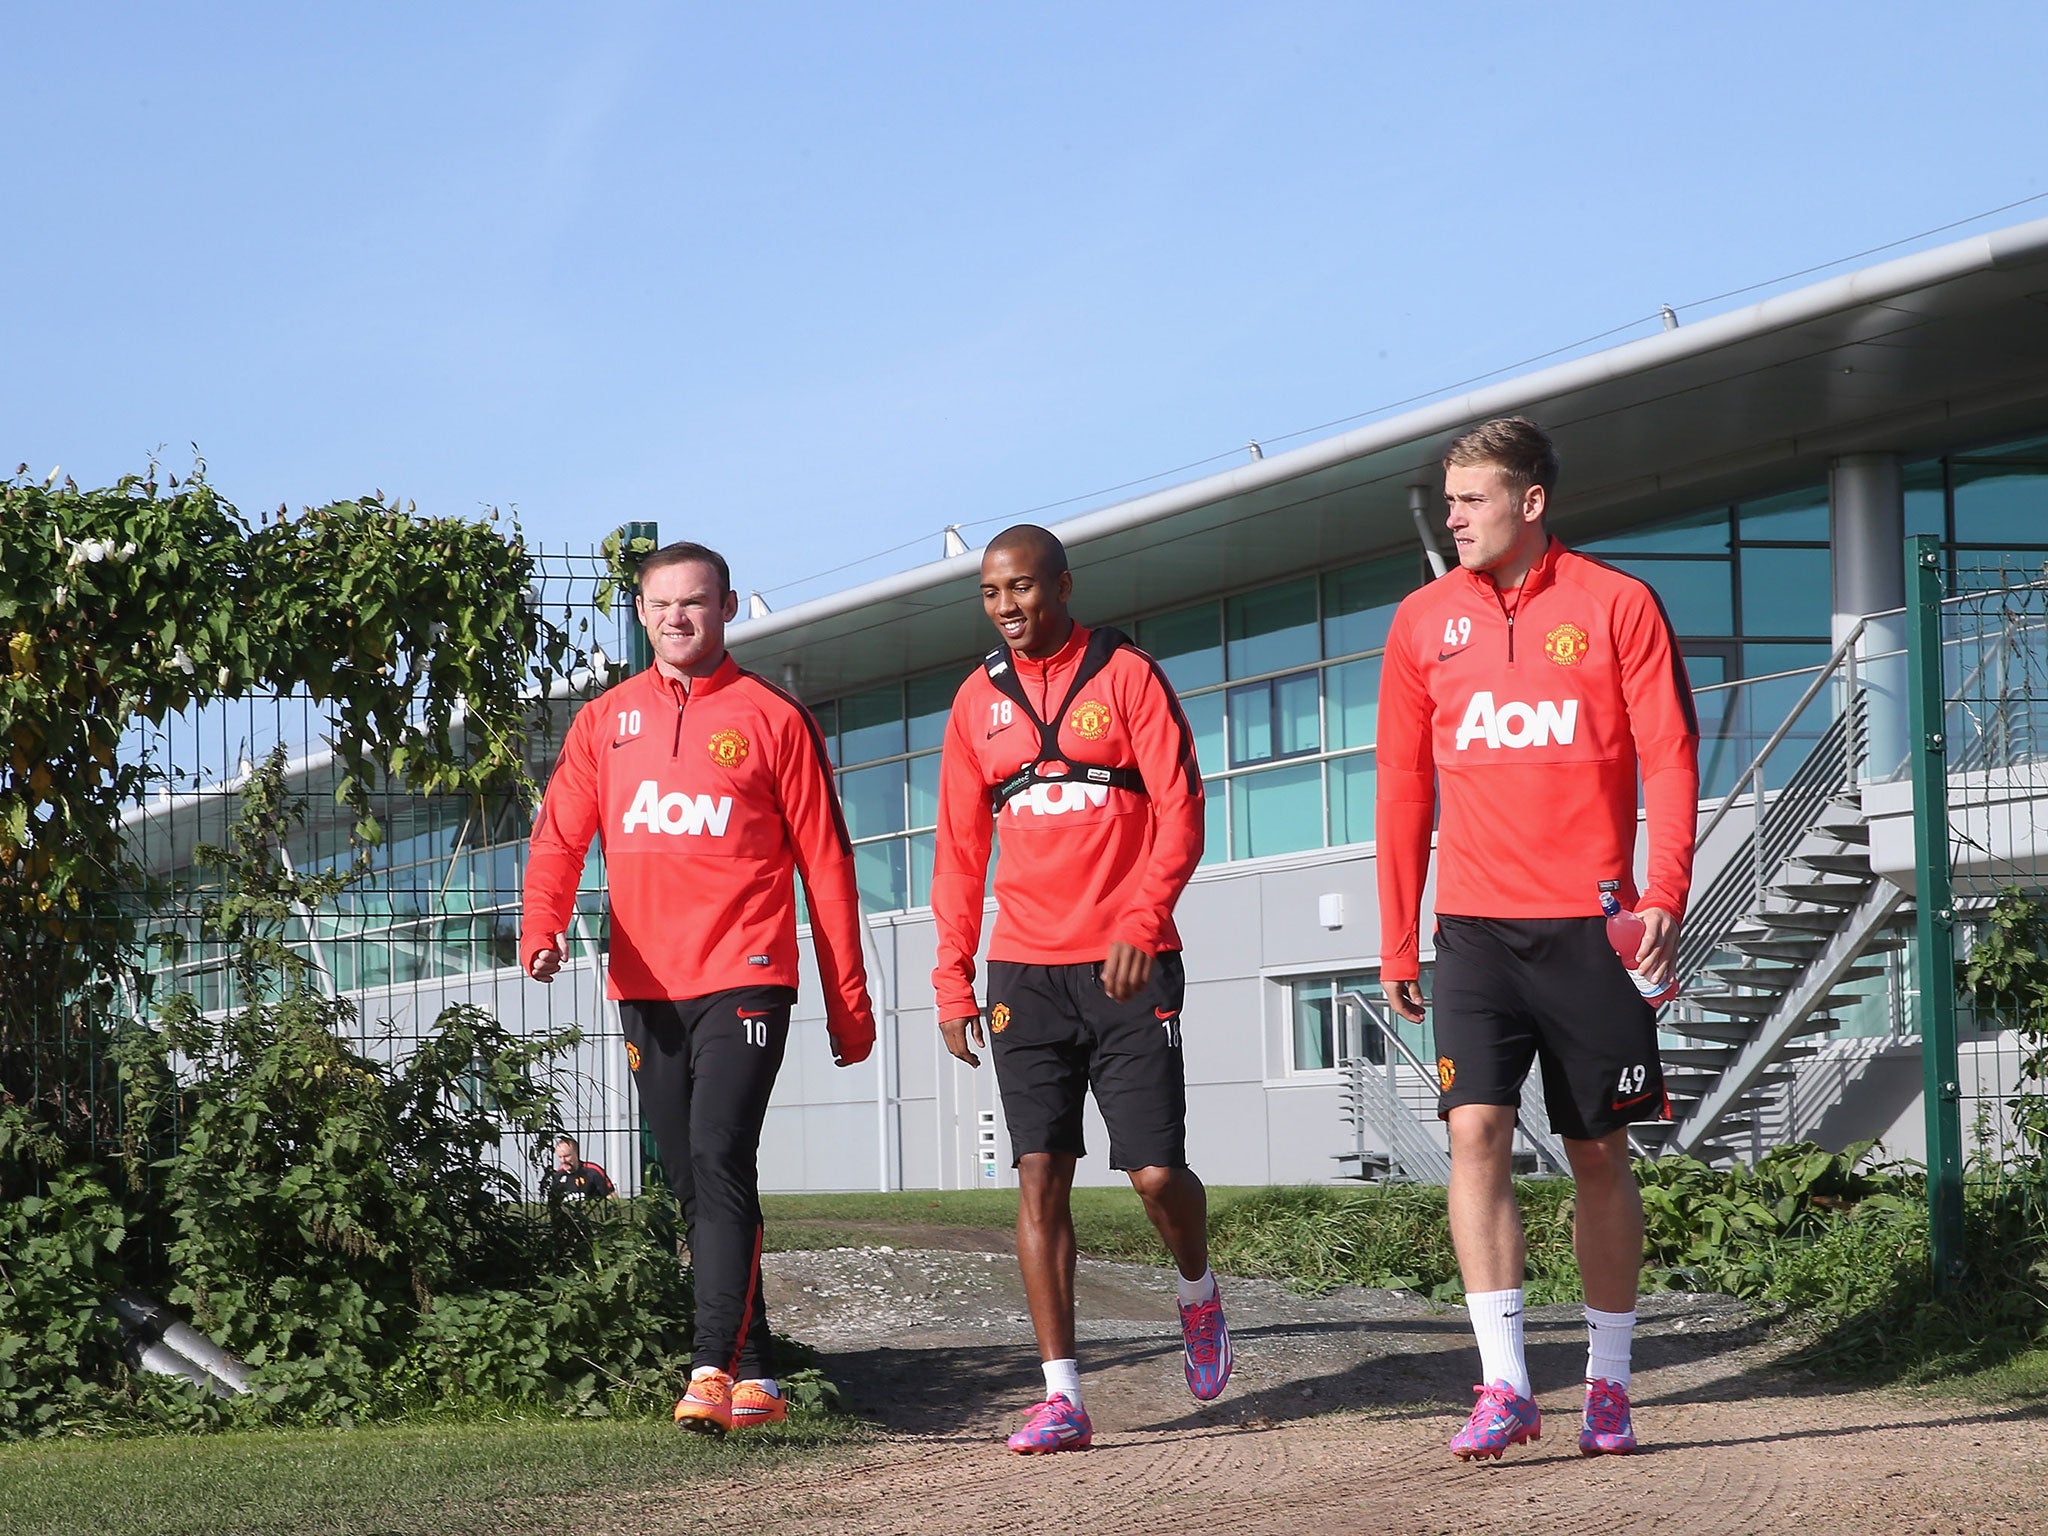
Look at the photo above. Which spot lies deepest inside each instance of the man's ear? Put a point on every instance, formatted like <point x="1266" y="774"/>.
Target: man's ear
<point x="732" y="605"/>
<point x="1066" y="587"/>
<point x="1535" y="502"/>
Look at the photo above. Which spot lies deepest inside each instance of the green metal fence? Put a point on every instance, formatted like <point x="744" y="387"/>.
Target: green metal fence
<point x="434" y="921"/>
<point x="1978" y="697"/>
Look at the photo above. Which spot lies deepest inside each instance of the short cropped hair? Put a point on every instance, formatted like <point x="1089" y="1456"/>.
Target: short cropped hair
<point x="1041" y="545"/>
<point x="683" y="552"/>
<point x="1516" y="446"/>
<point x="570" y="1143"/>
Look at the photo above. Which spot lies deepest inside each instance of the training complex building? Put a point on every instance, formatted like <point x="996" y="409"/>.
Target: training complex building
<point x="1762" y="469"/>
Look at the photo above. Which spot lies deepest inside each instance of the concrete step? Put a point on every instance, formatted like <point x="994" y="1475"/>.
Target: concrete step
<point x="1826" y="893"/>
<point x="1856" y="864"/>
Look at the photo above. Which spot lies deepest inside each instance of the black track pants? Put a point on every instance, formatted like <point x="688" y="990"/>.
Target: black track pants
<point x="704" y="1069"/>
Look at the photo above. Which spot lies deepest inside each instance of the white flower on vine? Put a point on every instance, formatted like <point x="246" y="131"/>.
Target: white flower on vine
<point x="226" y="677"/>
<point x="182" y="661"/>
<point x="62" y="596"/>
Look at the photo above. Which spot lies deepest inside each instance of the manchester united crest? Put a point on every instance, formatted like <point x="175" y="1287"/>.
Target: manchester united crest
<point x="999" y="1017"/>
<point x="632" y="1056"/>
<point x="1565" y="645"/>
<point x="1090" y="720"/>
<point x="728" y="748"/>
<point x="1446" y="1072"/>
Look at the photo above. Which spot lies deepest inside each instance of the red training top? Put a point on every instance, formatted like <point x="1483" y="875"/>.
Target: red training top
<point x="1082" y="864"/>
<point x="1528" y="713"/>
<point x="703" y="799"/>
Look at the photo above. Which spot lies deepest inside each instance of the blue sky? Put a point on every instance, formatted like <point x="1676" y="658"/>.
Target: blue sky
<point x="811" y="281"/>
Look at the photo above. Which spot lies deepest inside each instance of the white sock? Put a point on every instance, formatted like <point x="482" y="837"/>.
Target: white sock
<point x="766" y="1384"/>
<point x="1195" y="1292"/>
<point x="1064" y="1377"/>
<point x="1607" y="1345"/>
<point x="1497" y="1322"/>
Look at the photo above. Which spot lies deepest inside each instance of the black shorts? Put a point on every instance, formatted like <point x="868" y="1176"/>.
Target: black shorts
<point x="1548" y="989"/>
<point x="1055" y="1033"/>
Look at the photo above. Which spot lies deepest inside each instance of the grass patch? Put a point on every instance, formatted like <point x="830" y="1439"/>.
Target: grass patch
<point x="1109" y="1222"/>
<point x="512" y="1476"/>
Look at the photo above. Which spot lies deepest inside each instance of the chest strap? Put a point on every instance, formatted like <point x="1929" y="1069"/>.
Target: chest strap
<point x="1051" y="766"/>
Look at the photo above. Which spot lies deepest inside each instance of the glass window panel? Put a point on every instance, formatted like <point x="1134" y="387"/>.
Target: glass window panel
<point x="924" y="790"/>
<point x="1696" y="533"/>
<point x="873" y="798"/>
<point x="1359" y="603"/>
<point x="2001" y="504"/>
<point x="1353" y="702"/>
<point x="1697" y="594"/>
<point x="1188" y="645"/>
<point x="1704" y="669"/>
<point x="1271" y="628"/>
<point x="1926" y="499"/>
<point x="1215" y="822"/>
<point x="871" y="725"/>
<point x="1795" y="515"/>
<point x="881" y="870"/>
<point x="1251" y="724"/>
<point x="1278" y="811"/>
<point x="1297" y="712"/>
<point x="931" y="701"/>
<point x="1786" y="592"/>
<point x="1352" y="781"/>
<point x="1315" y="1035"/>
<point x="923" y="850"/>
<point x="1205" y="719"/>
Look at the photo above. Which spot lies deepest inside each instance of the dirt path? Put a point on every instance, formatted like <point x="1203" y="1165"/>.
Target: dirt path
<point x="1336" y="1421"/>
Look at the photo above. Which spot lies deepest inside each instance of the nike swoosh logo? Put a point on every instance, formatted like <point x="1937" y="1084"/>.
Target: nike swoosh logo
<point x="1165" y="1013"/>
<point x="618" y="744"/>
<point x="997" y="731"/>
<point x="761" y="1013"/>
<point x="1624" y="1103"/>
<point x="1447" y="655"/>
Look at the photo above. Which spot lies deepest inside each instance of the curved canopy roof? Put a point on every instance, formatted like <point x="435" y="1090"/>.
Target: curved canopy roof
<point x="1945" y="347"/>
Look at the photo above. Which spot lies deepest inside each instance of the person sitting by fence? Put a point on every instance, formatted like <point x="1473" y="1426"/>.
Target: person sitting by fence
<point x="572" y="1178"/>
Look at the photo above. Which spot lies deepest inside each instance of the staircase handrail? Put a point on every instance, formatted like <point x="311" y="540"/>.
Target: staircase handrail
<point x="1827" y="671"/>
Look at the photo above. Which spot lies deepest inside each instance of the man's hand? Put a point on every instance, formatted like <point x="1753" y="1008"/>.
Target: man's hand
<point x="1660" y="945"/>
<point x="1125" y="972"/>
<point x="852" y="1052"/>
<point x="546" y="962"/>
<point x="954" y="1031"/>
<point x="1408" y="1001"/>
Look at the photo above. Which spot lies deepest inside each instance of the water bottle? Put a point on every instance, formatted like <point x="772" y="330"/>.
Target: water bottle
<point x="1625" y="934"/>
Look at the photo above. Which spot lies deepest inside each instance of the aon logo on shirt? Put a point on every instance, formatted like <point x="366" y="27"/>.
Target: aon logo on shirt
<point x="1058" y="799"/>
<point x="1515" y="724"/>
<point x="677" y="814"/>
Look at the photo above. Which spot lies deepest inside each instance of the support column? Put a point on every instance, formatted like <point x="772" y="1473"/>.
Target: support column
<point x="1867" y="532"/>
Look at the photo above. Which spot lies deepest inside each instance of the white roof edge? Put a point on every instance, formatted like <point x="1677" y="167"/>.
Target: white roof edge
<point x="2017" y="245"/>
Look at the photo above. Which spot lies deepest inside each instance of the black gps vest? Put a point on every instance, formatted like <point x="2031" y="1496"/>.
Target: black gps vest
<point x="1002" y="674"/>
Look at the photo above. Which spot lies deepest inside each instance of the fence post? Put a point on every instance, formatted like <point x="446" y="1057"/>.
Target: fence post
<point x="639" y="657"/>
<point x="1934" y="921"/>
<point x="638" y="652"/>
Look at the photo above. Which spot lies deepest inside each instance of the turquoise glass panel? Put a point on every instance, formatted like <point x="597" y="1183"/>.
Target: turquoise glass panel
<point x="1359" y="603"/>
<point x="1699" y="595"/>
<point x="1215" y="822"/>
<point x="931" y="701"/>
<point x="1353" y="701"/>
<point x="873" y="798"/>
<point x="1277" y="811"/>
<point x="881" y="870"/>
<point x="1696" y="533"/>
<point x="871" y="725"/>
<point x="1795" y="515"/>
<point x="1786" y="592"/>
<point x="1352" y="781"/>
<point x="1205" y="719"/>
<point x="923" y="849"/>
<point x="1187" y="644"/>
<point x="2001" y="503"/>
<point x="1926" y="499"/>
<point x="924" y="790"/>
<point x="1271" y="628"/>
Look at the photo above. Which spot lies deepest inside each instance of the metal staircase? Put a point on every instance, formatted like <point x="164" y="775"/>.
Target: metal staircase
<point x="1793" y="915"/>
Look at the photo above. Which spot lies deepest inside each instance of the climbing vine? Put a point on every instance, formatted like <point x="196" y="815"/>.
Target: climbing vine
<point x="128" y="604"/>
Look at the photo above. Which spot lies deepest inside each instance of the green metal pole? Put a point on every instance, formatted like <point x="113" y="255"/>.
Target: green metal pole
<point x="1935" y="909"/>
<point x="638" y="652"/>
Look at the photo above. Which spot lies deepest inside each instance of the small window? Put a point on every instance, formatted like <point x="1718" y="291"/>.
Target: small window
<point x="1324" y="1032"/>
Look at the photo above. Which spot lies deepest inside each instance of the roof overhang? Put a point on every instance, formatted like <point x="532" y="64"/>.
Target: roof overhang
<point x="1944" y="347"/>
